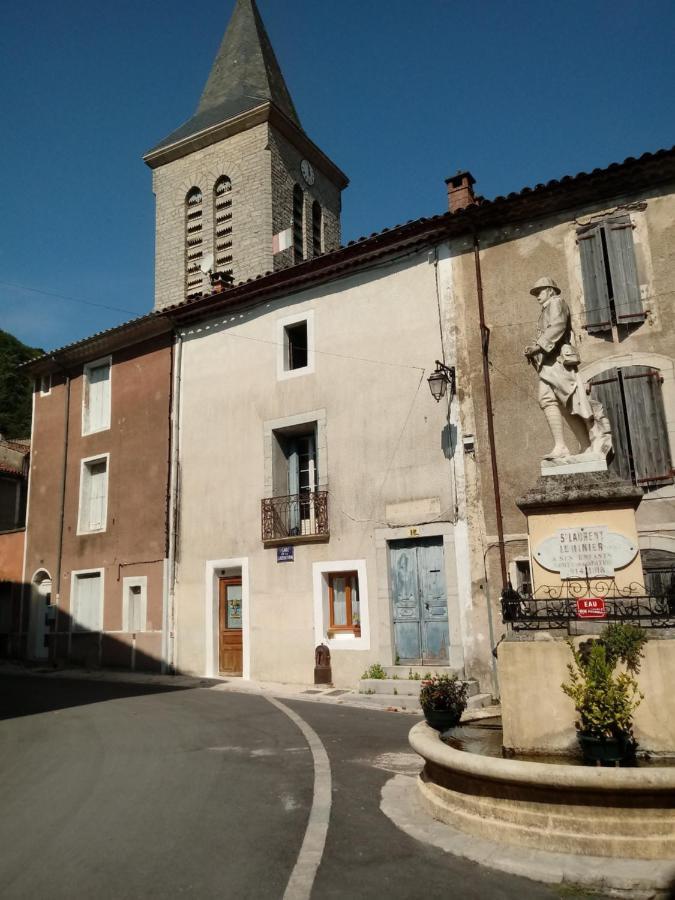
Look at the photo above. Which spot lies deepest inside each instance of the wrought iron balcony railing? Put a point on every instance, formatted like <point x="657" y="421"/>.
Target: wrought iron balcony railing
<point x="565" y="606"/>
<point x="295" y="519"/>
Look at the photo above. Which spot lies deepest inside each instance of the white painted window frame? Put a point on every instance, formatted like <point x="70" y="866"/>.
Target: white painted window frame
<point x="100" y="457"/>
<point x="48" y="379"/>
<point x="129" y="582"/>
<point x="73" y="600"/>
<point x="86" y="369"/>
<point x="345" y="640"/>
<point x="283" y="374"/>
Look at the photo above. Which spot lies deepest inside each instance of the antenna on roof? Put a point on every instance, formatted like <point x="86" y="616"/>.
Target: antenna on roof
<point x="206" y="264"/>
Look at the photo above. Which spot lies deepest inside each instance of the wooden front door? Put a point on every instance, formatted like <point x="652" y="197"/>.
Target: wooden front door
<point x="229" y="625"/>
<point x="419" y="601"/>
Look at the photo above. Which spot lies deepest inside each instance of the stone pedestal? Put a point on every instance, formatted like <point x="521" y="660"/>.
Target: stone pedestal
<point x="582" y="526"/>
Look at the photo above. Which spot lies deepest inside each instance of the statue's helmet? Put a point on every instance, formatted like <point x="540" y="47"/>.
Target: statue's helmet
<point x="542" y="283"/>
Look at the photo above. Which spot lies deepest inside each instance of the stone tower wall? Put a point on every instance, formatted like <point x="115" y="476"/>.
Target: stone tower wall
<point x="246" y="160"/>
<point x="286" y="160"/>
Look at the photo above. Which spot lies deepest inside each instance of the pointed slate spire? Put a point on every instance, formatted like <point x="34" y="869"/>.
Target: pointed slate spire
<point x="244" y="75"/>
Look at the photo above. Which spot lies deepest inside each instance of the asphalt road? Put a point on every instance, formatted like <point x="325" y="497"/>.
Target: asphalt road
<point x="112" y="790"/>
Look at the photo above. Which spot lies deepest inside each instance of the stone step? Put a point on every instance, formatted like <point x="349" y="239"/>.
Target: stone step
<point x="403" y="686"/>
<point x="404" y="671"/>
<point x="411" y="704"/>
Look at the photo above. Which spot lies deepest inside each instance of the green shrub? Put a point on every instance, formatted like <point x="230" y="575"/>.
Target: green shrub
<point x="604" y="699"/>
<point x="444" y="693"/>
<point x="375" y="671"/>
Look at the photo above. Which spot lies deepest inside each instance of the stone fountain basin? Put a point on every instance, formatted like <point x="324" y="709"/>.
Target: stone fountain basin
<point x="624" y="813"/>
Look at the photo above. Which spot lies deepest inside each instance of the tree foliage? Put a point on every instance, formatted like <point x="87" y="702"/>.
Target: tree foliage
<point x="15" y="387"/>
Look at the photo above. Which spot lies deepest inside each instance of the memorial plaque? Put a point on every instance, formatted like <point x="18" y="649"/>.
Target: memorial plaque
<point x="617" y="552"/>
<point x="584" y="552"/>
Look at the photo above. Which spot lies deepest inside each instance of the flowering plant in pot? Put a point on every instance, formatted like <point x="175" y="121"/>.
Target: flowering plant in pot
<point x="443" y="700"/>
<point x="604" y="698"/>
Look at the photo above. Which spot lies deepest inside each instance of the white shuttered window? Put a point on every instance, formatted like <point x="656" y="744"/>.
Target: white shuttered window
<point x="93" y="495"/>
<point x="87" y="606"/>
<point x="135" y="603"/>
<point x="96" y="397"/>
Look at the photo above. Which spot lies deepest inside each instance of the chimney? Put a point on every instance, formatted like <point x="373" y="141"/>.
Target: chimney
<point x="460" y="190"/>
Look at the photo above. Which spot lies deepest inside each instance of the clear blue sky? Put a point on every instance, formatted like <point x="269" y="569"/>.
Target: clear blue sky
<point x="400" y="94"/>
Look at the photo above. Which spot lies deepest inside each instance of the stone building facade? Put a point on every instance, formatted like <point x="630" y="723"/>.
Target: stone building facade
<point x="95" y="569"/>
<point x="623" y="323"/>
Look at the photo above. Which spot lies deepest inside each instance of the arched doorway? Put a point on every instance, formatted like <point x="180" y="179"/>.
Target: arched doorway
<point x="41" y="598"/>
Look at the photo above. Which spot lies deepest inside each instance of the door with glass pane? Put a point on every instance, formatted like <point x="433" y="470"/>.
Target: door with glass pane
<point x="230" y="626"/>
<point x="302" y="476"/>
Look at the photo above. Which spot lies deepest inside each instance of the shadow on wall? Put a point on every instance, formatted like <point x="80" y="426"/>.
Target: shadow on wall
<point x="34" y="630"/>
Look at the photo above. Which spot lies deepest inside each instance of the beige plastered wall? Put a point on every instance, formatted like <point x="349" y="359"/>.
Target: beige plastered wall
<point x="538" y="717"/>
<point x="512" y="259"/>
<point x="384" y="452"/>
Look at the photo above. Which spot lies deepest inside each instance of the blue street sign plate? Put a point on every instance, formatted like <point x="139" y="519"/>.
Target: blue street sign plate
<point x="285" y="554"/>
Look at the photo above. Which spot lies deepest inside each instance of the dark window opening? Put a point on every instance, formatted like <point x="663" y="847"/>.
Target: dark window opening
<point x="317" y="248"/>
<point x="298" y="223"/>
<point x="296" y="346"/>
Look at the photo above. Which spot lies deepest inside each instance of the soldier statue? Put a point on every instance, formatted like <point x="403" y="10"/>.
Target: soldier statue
<point x="562" y="394"/>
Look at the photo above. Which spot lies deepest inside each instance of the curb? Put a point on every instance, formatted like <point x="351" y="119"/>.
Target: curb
<point x="637" y="880"/>
<point x="305" y="693"/>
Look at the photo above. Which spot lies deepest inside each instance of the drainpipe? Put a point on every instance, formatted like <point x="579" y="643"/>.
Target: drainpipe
<point x="485" y="349"/>
<point x="485" y="346"/>
<point x="170" y="623"/>
<point x="59" y="551"/>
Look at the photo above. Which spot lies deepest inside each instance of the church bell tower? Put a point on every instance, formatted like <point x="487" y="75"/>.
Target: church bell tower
<point x="240" y="189"/>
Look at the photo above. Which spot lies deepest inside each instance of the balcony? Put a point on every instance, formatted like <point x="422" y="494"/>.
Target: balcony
<point x="298" y="519"/>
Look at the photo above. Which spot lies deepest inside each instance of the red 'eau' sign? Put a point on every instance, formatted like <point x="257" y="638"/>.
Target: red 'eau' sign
<point x="591" y="608"/>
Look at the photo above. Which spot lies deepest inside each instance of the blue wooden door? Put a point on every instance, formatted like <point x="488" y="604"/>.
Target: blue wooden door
<point x="419" y="601"/>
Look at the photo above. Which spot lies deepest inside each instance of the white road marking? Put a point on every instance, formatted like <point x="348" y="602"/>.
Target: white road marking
<point x="300" y="883"/>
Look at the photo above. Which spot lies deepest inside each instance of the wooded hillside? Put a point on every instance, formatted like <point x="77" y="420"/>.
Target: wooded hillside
<point x="15" y="387"/>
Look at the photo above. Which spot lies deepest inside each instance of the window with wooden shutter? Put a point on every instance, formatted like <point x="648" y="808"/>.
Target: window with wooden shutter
<point x="86" y="605"/>
<point x="93" y="496"/>
<point x="609" y="274"/>
<point x="135" y="602"/>
<point x="96" y="397"/>
<point x="343" y="602"/>
<point x="633" y="401"/>
<point x="222" y="226"/>
<point x="194" y="241"/>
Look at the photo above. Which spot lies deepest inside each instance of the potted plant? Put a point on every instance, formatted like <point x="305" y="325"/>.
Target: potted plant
<point x="443" y="700"/>
<point x="604" y="698"/>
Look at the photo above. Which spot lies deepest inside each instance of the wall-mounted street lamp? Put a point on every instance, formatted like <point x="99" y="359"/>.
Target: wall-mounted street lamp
<point x="440" y="379"/>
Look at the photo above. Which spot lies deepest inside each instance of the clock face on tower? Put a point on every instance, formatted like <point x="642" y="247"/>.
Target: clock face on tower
<point x="307" y="171"/>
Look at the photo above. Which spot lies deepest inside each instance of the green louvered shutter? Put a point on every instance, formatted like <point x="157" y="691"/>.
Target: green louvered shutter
<point x="606" y="388"/>
<point x="596" y="294"/>
<point x="648" y="431"/>
<point x="623" y="270"/>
